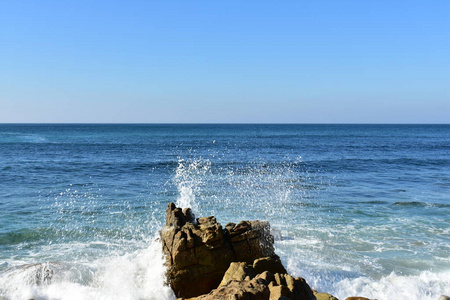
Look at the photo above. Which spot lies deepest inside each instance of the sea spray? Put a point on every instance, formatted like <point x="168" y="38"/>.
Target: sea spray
<point x="188" y="179"/>
<point x="136" y="275"/>
<point x="425" y="286"/>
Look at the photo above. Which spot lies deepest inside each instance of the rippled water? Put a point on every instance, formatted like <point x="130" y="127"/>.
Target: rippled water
<point x="356" y="209"/>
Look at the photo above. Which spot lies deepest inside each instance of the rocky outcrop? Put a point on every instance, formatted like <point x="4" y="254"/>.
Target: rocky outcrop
<point x="324" y="296"/>
<point x="242" y="282"/>
<point x="255" y="289"/>
<point x="199" y="251"/>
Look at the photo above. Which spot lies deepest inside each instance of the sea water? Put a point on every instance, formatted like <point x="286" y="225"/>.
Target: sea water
<point x="355" y="209"/>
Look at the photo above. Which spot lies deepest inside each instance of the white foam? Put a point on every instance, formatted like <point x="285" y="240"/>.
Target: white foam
<point x="188" y="179"/>
<point x="138" y="275"/>
<point x="425" y="286"/>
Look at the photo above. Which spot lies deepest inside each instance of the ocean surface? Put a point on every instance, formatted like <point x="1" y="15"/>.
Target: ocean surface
<point x="355" y="209"/>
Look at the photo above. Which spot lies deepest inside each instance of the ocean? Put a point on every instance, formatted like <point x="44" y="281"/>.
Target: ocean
<point x="356" y="210"/>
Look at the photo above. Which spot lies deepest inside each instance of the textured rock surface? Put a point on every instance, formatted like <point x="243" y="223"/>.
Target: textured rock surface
<point x="324" y="296"/>
<point x="199" y="252"/>
<point x="265" y="286"/>
<point x="254" y="289"/>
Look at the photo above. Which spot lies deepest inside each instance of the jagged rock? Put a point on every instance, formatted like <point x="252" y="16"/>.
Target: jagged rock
<point x="279" y="291"/>
<point x="267" y="276"/>
<point x="237" y="271"/>
<point x="199" y="253"/>
<point x="272" y="264"/>
<point x="237" y="262"/>
<point x="284" y="287"/>
<point x="254" y="289"/>
<point x="324" y="296"/>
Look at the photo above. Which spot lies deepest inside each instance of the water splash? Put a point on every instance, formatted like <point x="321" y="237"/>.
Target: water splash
<point x="136" y="275"/>
<point x="425" y="286"/>
<point x="189" y="177"/>
<point x="253" y="190"/>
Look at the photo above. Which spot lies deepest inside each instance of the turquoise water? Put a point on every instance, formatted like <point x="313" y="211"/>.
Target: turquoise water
<point x="356" y="209"/>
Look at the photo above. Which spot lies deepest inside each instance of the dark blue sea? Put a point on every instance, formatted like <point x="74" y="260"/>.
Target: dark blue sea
<point x="355" y="209"/>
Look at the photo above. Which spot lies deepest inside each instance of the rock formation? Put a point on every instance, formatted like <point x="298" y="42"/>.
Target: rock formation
<point x="208" y="262"/>
<point x="242" y="281"/>
<point x="199" y="251"/>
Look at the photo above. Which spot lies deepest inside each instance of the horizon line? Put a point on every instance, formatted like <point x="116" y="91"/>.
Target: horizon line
<point x="211" y="123"/>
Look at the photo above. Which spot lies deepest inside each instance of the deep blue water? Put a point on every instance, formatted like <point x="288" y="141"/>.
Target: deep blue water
<point x="356" y="208"/>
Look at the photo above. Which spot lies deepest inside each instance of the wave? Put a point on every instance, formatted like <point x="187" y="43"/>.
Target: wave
<point x="137" y="275"/>
<point x="374" y="202"/>
<point x="420" y="204"/>
<point x="20" y="138"/>
<point x="424" y="286"/>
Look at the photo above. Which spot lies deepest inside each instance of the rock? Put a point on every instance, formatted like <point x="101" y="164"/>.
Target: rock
<point x="443" y="297"/>
<point x="189" y="216"/>
<point x="239" y="290"/>
<point x="199" y="253"/>
<point x="280" y="286"/>
<point x="208" y="262"/>
<point x="266" y="276"/>
<point x="40" y="273"/>
<point x="324" y="296"/>
<point x="279" y="291"/>
<point x="302" y="291"/>
<point x="238" y="271"/>
<point x="271" y="264"/>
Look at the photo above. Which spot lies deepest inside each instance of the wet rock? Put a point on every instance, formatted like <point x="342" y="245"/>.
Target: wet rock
<point x="199" y="253"/>
<point x="40" y="273"/>
<point x="443" y="297"/>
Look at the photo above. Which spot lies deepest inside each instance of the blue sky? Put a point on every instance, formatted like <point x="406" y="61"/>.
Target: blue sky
<point x="225" y="61"/>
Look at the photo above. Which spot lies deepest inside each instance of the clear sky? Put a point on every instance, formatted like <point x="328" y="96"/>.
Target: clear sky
<point x="210" y="61"/>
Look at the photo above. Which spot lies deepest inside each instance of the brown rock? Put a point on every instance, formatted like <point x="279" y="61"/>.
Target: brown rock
<point x="199" y="253"/>
<point x="279" y="279"/>
<point x="302" y="291"/>
<point x="271" y="264"/>
<point x="239" y="290"/>
<point x="290" y="282"/>
<point x="266" y="276"/>
<point x="277" y="292"/>
<point x="324" y="296"/>
<point x="238" y="271"/>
